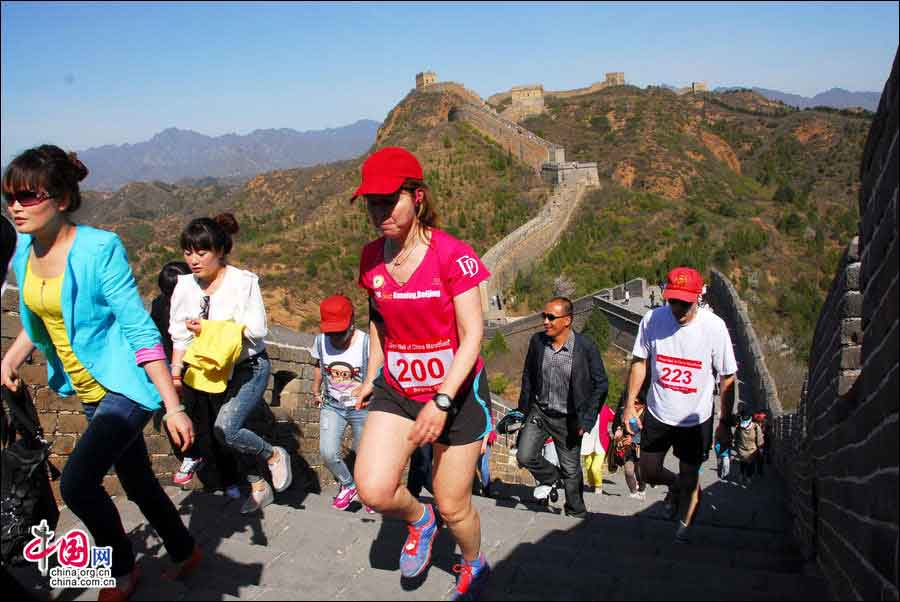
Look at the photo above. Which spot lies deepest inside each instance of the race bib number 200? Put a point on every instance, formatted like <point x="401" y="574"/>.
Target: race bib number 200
<point x="419" y="367"/>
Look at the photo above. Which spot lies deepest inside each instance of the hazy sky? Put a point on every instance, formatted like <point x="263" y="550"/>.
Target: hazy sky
<point x="85" y="74"/>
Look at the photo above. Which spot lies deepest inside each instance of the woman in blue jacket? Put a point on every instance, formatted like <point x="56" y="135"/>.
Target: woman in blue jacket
<point x="80" y="307"/>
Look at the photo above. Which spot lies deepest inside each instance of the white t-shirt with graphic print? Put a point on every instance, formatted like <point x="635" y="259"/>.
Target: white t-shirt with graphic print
<point x="681" y="360"/>
<point x="341" y="369"/>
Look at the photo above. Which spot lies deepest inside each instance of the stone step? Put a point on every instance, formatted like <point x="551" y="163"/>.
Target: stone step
<point x="566" y="573"/>
<point x="653" y="530"/>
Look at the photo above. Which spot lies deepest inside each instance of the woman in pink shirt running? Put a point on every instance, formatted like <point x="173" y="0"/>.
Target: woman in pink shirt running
<point x="425" y="376"/>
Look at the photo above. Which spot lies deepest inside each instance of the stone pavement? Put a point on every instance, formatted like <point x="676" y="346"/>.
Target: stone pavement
<point x="300" y="548"/>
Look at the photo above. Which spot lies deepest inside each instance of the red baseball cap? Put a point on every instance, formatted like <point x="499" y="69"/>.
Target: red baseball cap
<point x="386" y="170"/>
<point x="336" y="312"/>
<point x="684" y="284"/>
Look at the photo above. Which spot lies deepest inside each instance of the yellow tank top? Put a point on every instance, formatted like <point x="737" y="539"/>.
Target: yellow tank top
<point x="43" y="297"/>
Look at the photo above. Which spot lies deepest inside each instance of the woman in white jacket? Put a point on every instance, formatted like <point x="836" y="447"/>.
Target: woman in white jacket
<point x="216" y="291"/>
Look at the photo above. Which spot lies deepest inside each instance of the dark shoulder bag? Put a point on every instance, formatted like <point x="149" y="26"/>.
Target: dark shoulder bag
<point x="25" y="495"/>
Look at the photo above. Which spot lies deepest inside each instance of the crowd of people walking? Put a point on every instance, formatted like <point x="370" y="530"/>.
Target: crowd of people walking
<point x="410" y="384"/>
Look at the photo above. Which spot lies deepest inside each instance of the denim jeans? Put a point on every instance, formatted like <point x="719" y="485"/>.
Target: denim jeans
<point x="115" y="438"/>
<point x="203" y="408"/>
<point x="245" y="393"/>
<point x="538" y="426"/>
<point x="333" y="419"/>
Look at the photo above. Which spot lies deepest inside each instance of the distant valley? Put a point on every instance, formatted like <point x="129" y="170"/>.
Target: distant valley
<point x="175" y="155"/>
<point x="835" y="98"/>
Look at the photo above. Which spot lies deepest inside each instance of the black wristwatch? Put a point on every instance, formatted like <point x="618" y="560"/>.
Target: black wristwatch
<point x="443" y="401"/>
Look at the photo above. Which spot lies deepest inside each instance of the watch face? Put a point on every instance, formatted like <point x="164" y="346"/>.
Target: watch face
<point x="442" y="401"/>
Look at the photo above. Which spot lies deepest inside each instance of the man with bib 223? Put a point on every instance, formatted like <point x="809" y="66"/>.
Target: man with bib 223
<point x="425" y="376"/>
<point x="681" y="345"/>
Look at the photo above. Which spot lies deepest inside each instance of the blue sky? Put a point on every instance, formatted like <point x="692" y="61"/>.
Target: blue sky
<point x="86" y="74"/>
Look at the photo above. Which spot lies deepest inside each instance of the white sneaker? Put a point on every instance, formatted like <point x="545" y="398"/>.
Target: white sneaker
<point x="186" y="471"/>
<point x="281" y="470"/>
<point x="257" y="500"/>
<point x="542" y="491"/>
<point x="638" y="495"/>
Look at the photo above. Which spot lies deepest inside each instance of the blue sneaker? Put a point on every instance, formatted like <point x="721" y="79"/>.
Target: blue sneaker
<point x="416" y="553"/>
<point x="471" y="581"/>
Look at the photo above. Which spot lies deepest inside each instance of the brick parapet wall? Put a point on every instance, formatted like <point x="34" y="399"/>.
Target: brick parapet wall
<point x="841" y="448"/>
<point x="758" y="385"/>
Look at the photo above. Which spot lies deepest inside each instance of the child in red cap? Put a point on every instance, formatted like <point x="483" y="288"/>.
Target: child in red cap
<point x="342" y="355"/>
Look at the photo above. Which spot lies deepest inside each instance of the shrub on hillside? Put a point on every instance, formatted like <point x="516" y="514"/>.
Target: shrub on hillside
<point x="784" y="194"/>
<point x="597" y="328"/>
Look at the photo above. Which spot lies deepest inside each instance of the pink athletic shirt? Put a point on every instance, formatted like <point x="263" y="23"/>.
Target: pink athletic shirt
<point x="420" y="333"/>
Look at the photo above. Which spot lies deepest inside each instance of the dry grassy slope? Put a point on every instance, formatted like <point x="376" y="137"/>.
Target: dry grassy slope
<point x="691" y="180"/>
<point x="298" y="229"/>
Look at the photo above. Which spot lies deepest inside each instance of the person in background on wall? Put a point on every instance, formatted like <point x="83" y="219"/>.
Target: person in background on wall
<point x="682" y="346"/>
<point x="162" y="303"/>
<point x="342" y="356"/>
<point x="563" y="386"/>
<point x="101" y="345"/>
<point x="160" y="309"/>
<point x="594" y="446"/>
<point x="763" y="458"/>
<point x="220" y="308"/>
<point x="748" y="445"/>
<point x="627" y="447"/>
<point x="425" y="375"/>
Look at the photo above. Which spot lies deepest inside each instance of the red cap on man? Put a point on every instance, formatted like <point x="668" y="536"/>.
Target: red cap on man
<point x="336" y="312"/>
<point x="684" y="284"/>
<point x="385" y="171"/>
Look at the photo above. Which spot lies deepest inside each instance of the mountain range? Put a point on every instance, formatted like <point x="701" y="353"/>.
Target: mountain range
<point x="174" y="154"/>
<point x="836" y="98"/>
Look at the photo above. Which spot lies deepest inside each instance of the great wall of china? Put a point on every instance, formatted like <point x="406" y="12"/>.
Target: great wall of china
<point x="837" y="453"/>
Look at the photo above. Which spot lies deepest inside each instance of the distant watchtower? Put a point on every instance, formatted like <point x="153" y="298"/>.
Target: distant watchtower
<point x="425" y="78"/>
<point x="615" y="78"/>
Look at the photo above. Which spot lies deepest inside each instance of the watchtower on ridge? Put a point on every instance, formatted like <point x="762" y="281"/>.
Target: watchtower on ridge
<point x="425" y="78"/>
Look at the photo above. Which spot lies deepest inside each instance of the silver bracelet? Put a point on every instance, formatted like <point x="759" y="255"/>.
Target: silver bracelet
<point x="179" y="410"/>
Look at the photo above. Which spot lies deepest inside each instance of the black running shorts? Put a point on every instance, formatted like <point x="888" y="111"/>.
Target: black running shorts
<point x="691" y="444"/>
<point x="469" y="420"/>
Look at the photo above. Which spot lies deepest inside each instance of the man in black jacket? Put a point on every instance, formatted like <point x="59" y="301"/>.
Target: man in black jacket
<point x="563" y="384"/>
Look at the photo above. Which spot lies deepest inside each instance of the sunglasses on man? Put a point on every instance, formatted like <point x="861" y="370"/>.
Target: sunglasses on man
<point x="26" y="198"/>
<point x="551" y="317"/>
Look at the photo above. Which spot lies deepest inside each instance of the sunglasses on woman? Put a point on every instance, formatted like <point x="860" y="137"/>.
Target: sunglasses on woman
<point x="26" y="198"/>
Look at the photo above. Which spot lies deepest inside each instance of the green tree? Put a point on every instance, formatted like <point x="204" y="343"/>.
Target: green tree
<point x="597" y="328"/>
<point x="784" y="194"/>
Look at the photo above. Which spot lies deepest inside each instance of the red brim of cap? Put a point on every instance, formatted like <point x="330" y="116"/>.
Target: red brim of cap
<point x="340" y="326"/>
<point x="381" y="185"/>
<point x="679" y="295"/>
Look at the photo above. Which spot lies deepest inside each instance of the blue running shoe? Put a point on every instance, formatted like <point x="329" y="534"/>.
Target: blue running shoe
<point x="416" y="553"/>
<point x="471" y="581"/>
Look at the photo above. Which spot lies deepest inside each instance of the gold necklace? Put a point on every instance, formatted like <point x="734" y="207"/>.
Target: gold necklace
<point x="397" y="261"/>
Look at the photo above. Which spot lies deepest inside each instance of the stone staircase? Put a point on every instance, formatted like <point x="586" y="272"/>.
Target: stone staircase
<point x="299" y="548"/>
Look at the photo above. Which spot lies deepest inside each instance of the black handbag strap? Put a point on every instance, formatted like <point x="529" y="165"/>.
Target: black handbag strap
<point x="24" y="417"/>
<point x="24" y="420"/>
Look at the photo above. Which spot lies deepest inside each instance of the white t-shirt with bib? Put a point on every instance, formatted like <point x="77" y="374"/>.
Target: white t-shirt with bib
<point x="342" y="368"/>
<point x="681" y="360"/>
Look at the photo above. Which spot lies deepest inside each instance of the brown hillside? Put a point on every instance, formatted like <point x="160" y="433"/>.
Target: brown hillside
<point x="769" y="198"/>
<point x="299" y="231"/>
